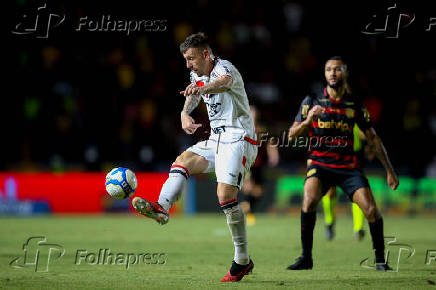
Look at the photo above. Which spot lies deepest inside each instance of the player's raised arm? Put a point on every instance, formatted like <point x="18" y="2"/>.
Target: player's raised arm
<point x="221" y="84"/>
<point x="382" y="155"/>
<point x="300" y="128"/>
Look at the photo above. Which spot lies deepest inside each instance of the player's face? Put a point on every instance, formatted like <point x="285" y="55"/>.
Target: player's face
<point x="196" y="60"/>
<point x="335" y="73"/>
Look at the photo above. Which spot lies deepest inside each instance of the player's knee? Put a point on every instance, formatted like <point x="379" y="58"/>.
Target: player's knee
<point x="182" y="160"/>
<point x="371" y="213"/>
<point x="309" y="204"/>
<point x="226" y="192"/>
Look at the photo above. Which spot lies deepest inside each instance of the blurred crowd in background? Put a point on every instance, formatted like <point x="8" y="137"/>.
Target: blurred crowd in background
<point x="89" y="100"/>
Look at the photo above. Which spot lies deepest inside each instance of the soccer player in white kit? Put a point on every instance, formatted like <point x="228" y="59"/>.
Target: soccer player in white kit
<point x="230" y="150"/>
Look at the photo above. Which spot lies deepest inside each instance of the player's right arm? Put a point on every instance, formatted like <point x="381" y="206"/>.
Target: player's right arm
<point x="304" y="119"/>
<point x="191" y="102"/>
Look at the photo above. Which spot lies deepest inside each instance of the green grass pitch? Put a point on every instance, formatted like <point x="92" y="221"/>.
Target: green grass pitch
<point x="198" y="252"/>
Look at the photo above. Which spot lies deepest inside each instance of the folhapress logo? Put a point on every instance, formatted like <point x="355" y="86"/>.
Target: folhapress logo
<point x="38" y="254"/>
<point x="393" y="19"/>
<point x="392" y="247"/>
<point x="39" y="24"/>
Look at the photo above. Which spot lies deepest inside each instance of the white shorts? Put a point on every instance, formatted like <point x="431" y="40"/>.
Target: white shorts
<point x="231" y="160"/>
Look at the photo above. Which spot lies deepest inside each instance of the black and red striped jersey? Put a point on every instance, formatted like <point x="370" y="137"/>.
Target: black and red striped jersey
<point x="330" y="140"/>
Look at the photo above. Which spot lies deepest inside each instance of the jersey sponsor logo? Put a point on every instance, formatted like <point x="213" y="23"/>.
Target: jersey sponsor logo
<point x="341" y="125"/>
<point x="219" y="130"/>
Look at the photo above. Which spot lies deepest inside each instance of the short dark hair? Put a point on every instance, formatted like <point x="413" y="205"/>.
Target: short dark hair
<point x="340" y="58"/>
<point x="197" y="40"/>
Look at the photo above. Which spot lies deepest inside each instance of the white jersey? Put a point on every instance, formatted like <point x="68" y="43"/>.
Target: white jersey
<point x="230" y="109"/>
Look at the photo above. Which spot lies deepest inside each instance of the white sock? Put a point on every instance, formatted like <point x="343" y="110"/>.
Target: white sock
<point x="173" y="186"/>
<point x="236" y="221"/>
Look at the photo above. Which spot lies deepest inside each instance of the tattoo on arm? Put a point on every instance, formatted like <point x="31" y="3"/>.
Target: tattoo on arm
<point x="222" y="84"/>
<point x="191" y="103"/>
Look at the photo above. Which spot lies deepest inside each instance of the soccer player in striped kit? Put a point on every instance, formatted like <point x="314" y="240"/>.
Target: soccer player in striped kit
<point x="328" y="119"/>
<point x="230" y="150"/>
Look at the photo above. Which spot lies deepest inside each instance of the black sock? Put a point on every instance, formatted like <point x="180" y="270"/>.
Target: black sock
<point x="307" y="225"/>
<point x="378" y="242"/>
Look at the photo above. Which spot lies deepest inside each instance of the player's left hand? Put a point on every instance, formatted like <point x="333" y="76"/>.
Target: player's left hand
<point x="393" y="181"/>
<point x="192" y="89"/>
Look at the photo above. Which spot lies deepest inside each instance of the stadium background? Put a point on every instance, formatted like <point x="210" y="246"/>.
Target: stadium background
<point x="86" y="101"/>
<point x="77" y="103"/>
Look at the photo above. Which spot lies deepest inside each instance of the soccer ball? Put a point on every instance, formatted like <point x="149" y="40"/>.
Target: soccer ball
<point x="121" y="183"/>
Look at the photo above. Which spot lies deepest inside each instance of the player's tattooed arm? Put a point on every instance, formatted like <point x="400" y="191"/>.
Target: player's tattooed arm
<point x="191" y="102"/>
<point x="382" y="155"/>
<point x="188" y="123"/>
<point x="221" y="84"/>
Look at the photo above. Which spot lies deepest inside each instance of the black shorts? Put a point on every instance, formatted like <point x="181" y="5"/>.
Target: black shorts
<point x="349" y="180"/>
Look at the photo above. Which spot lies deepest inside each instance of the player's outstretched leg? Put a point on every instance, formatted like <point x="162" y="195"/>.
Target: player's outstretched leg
<point x="172" y="188"/>
<point x="312" y="195"/>
<point x="364" y="198"/>
<point x="242" y="264"/>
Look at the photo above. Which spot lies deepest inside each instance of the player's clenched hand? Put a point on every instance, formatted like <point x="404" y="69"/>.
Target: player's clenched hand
<point x="392" y="179"/>
<point x="315" y="113"/>
<point x="188" y="123"/>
